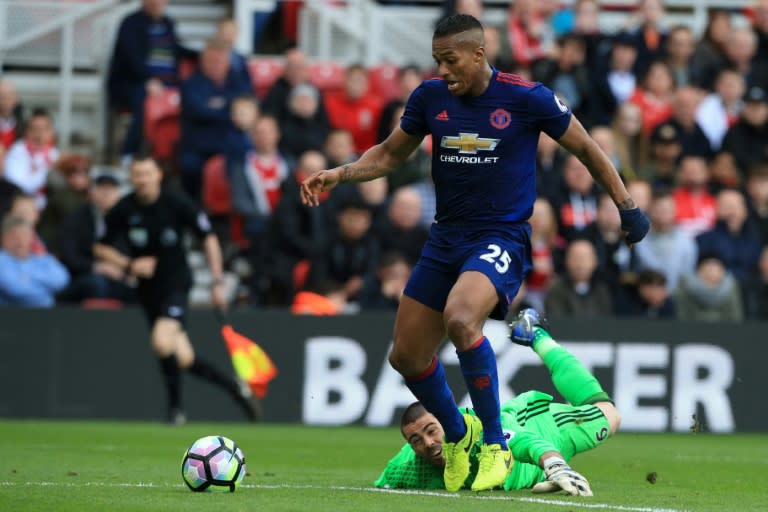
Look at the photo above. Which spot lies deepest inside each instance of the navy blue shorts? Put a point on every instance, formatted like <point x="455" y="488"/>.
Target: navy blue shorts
<point x="500" y="251"/>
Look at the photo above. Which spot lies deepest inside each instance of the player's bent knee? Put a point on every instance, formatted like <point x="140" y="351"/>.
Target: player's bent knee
<point x="463" y="328"/>
<point x="407" y="364"/>
<point x="611" y="414"/>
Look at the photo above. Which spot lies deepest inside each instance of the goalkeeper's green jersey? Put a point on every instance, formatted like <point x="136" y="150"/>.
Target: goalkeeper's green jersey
<point x="532" y="424"/>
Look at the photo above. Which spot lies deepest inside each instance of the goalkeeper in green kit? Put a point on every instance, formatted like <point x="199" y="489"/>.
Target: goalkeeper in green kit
<point x="542" y="435"/>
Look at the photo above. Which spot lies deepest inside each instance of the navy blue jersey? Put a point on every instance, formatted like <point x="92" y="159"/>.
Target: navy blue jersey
<point x="484" y="147"/>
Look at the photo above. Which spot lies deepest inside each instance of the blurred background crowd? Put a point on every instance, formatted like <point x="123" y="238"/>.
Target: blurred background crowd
<point x="683" y="115"/>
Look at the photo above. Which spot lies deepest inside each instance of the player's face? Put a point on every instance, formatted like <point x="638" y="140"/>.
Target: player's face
<point x="425" y="435"/>
<point x="460" y="63"/>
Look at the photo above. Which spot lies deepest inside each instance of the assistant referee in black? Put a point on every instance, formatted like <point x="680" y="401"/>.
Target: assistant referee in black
<point x="151" y="222"/>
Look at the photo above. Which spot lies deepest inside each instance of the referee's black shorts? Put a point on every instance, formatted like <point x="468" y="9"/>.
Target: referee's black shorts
<point x="169" y="303"/>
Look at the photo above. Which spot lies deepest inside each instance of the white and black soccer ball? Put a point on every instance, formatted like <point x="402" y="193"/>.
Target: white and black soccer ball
<point x="213" y="464"/>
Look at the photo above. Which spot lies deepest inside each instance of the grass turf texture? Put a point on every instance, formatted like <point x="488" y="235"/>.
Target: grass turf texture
<point x="75" y="466"/>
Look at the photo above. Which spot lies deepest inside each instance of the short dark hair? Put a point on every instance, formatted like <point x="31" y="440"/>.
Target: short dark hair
<point x="143" y="153"/>
<point x="412" y="413"/>
<point x="40" y="112"/>
<point x="651" y="277"/>
<point x="456" y="24"/>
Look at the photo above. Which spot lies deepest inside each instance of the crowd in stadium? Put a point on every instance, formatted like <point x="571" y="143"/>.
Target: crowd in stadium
<point x="683" y="117"/>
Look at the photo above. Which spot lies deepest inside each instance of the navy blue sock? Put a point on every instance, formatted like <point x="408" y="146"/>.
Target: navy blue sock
<point x="430" y="387"/>
<point x="478" y="365"/>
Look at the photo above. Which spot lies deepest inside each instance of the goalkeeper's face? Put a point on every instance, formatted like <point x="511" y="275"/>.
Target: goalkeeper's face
<point x="425" y="435"/>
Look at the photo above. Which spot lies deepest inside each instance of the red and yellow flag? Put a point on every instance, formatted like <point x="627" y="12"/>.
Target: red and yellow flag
<point x="251" y="362"/>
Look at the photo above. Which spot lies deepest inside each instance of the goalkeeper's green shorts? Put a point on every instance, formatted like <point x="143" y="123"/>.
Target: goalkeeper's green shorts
<point x="581" y="428"/>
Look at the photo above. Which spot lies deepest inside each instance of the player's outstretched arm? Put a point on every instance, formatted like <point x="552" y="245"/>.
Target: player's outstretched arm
<point x="561" y="477"/>
<point x="374" y="163"/>
<point x="634" y="222"/>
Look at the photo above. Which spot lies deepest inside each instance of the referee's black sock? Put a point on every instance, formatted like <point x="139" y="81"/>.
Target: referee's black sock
<point x="172" y="378"/>
<point x="203" y="369"/>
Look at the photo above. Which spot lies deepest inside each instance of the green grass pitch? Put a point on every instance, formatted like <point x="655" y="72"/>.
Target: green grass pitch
<point x="99" y="466"/>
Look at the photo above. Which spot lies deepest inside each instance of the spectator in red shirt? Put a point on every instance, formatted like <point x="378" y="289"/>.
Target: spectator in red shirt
<point x="356" y="109"/>
<point x="696" y="207"/>
<point x="654" y="96"/>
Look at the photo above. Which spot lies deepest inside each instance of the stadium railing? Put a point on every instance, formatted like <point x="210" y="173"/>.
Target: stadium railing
<point x="61" y="35"/>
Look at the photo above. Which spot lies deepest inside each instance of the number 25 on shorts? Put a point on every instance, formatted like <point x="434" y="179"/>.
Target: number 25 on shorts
<point x="498" y="257"/>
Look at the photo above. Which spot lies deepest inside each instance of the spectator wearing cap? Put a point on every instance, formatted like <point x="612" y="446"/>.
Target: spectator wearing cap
<point x="663" y="156"/>
<point x="734" y="238"/>
<point x="78" y="232"/>
<point x="711" y="294"/>
<point x="27" y="279"/>
<point x="667" y="248"/>
<point x="356" y="109"/>
<point x="615" y="79"/>
<point x="303" y="127"/>
<point x="747" y="140"/>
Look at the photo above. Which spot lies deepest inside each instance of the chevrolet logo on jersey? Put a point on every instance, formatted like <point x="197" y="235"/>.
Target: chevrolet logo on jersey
<point x="469" y="143"/>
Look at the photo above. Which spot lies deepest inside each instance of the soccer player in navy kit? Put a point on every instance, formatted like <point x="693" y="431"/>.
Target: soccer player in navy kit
<point x="151" y="221"/>
<point x="485" y="127"/>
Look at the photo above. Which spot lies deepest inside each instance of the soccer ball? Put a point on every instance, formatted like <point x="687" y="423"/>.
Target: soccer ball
<point x="213" y="464"/>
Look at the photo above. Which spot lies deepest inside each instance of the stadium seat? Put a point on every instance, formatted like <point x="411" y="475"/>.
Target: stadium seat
<point x="328" y="76"/>
<point x="101" y="303"/>
<point x="384" y="81"/>
<point x="264" y="72"/>
<point x="216" y="190"/>
<point x="162" y="123"/>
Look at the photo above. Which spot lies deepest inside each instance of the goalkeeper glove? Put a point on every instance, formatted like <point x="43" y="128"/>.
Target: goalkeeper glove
<point x="560" y="477"/>
<point x="635" y="224"/>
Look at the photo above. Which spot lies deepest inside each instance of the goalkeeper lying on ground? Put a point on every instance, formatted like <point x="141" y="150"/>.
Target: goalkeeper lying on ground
<point x="543" y="436"/>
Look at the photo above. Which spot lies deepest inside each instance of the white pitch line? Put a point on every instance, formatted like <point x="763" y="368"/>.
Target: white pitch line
<point x="437" y="494"/>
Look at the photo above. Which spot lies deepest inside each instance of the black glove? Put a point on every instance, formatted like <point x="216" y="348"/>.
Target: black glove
<point x="635" y="224"/>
